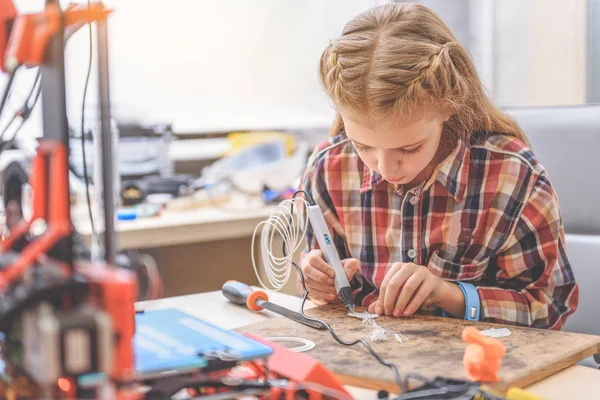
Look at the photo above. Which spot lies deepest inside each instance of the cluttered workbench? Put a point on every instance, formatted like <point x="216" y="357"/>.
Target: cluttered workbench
<point x="433" y="346"/>
<point x="71" y="327"/>
<point x="181" y="227"/>
<point x="194" y="230"/>
<point x="192" y="248"/>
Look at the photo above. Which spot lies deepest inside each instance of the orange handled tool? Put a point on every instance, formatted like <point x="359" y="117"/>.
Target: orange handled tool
<point x="243" y="295"/>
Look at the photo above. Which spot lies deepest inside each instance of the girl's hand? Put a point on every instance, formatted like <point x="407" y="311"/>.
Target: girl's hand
<point x="405" y="287"/>
<point x="318" y="276"/>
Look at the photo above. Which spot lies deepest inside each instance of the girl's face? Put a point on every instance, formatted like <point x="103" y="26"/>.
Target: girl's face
<point x="403" y="155"/>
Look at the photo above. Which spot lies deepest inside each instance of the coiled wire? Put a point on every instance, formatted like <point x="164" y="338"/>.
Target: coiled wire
<point x="291" y="227"/>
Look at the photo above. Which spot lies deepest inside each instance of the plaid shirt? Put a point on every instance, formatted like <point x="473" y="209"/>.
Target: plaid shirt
<point x="488" y="215"/>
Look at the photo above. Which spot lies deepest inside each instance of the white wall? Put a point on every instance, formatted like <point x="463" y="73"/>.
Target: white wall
<point x="527" y="52"/>
<point x="223" y="65"/>
<point x="512" y="54"/>
<point x="559" y="46"/>
<point x="77" y="49"/>
<point x="540" y="52"/>
<point x="212" y="64"/>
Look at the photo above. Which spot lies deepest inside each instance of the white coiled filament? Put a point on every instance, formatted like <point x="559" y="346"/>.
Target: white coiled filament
<point x="289" y="223"/>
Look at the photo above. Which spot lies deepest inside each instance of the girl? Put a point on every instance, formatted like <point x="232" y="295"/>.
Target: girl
<point x="433" y="197"/>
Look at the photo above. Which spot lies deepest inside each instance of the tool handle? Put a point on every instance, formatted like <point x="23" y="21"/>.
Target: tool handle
<point x="241" y="294"/>
<point x="236" y="292"/>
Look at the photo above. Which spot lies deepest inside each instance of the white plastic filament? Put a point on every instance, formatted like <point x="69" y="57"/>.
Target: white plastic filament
<point x="288" y="222"/>
<point x="306" y="344"/>
<point x="378" y="333"/>
<point x="362" y="315"/>
<point x="496" y="332"/>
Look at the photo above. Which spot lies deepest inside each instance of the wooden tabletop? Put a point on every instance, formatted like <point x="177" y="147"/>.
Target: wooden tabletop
<point x="431" y="347"/>
<point x="214" y="308"/>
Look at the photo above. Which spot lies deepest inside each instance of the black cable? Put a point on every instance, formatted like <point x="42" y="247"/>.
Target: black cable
<point x="85" y="170"/>
<point x="393" y="367"/>
<point x="35" y="82"/>
<point x="11" y="79"/>
<point x="403" y="384"/>
<point x="37" y="79"/>
<point x="13" y="119"/>
<point x="24" y="112"/>
<point x="37" y="96"/>
<point x="310" y="199"/>
<point x="5" y="97"/>
<point x="14" y="135"/>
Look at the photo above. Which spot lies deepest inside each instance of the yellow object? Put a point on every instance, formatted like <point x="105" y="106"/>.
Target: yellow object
<point x="240" y="140"/>
<point x="520" y="394"/>
<point x="200" y="199"/>
<point x="512" y="394"/>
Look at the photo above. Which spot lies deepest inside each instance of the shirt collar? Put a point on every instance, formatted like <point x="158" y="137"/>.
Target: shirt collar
<point x="452" y="173"/>
<point x="370" y="179"/>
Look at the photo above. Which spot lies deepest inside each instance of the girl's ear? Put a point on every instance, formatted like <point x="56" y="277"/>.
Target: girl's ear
<point x="446" y="112"/>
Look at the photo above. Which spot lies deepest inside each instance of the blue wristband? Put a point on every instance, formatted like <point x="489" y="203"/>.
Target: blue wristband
<point x="472" y="302"/>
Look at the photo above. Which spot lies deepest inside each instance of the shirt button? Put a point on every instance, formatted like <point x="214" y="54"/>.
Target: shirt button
<point x="413" y="200"/>
<point x="412" y="253"/>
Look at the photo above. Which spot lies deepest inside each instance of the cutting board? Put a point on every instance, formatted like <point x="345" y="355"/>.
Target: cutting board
<point x="433" y="347"/>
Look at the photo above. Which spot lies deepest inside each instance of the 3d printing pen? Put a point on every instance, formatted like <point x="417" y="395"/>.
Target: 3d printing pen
<point x="340" y="281"/>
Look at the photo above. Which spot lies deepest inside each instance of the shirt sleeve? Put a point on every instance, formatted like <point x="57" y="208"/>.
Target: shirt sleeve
<point x="314" y="182"/>
<point x="534" y="283"/>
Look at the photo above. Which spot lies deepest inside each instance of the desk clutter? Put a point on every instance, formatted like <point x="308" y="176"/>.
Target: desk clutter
<point x="259" y="166"/>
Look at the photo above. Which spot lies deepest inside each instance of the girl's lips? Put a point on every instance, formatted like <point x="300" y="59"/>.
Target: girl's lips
<point x="395" y="180"/>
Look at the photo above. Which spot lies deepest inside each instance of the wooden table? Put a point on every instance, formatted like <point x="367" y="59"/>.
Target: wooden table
<point x="571" y="383"/>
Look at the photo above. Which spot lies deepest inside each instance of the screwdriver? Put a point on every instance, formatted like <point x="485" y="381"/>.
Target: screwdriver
<point x="243" y="295"/>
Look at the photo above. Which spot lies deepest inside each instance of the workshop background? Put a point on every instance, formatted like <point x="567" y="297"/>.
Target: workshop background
<point x="217" y="105"/>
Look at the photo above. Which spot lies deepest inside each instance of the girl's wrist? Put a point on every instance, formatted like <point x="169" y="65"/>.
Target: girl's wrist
<point x="451" y="299"/>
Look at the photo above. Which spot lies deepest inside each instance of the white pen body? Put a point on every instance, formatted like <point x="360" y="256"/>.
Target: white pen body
<point x="317" y="221"/>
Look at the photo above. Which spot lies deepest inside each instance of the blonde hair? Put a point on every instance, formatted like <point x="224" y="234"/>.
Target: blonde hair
<point x="397" y="58"/>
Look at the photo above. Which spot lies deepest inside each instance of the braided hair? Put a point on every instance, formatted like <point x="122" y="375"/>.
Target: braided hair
<point x="396" y="59"/>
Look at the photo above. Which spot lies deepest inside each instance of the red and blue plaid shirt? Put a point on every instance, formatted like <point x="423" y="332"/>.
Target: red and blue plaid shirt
<point x="488" y="215"/>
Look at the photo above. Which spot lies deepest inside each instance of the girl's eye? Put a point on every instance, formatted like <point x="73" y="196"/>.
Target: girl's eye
<point x="412" y="151"/>
<point x="361" y="148"/>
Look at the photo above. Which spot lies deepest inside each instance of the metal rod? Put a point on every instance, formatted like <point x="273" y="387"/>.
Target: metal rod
<point x="54" y="113"/>
<point x="108" y="201"/>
